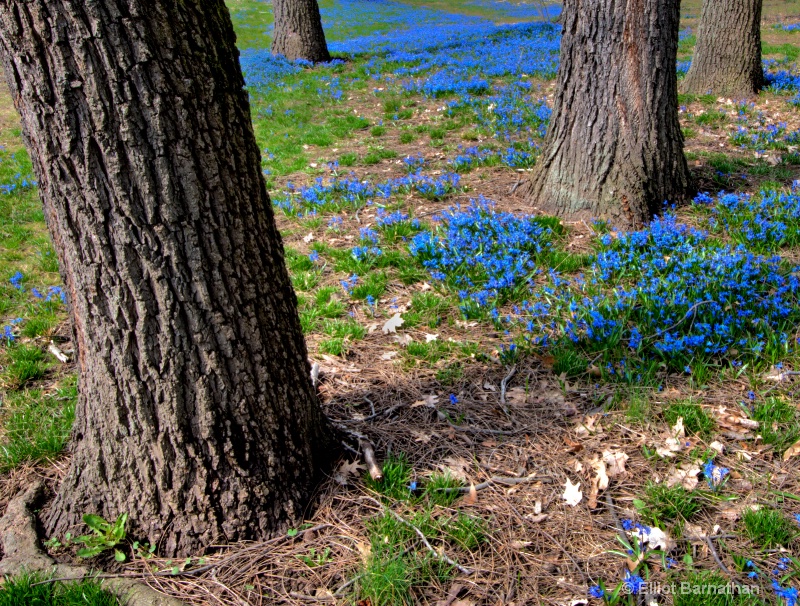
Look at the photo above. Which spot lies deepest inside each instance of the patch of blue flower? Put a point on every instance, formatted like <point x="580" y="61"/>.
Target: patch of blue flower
<point x="481" y="253"/>
<point x="671" y="293"/>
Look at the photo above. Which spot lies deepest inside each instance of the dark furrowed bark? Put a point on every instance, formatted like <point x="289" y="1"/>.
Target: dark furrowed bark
<point x="298" y="31"/>
<point x="614" y="149"/>
<point x="196" y="414"/>
<point x="727" y="55"/>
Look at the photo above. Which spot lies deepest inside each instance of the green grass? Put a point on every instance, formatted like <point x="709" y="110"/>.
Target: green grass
<point x="396" y="479"/>
<point x="27" y="363"/>
<point x="23" y="591"/>
<point x="436" y="489"/>
<point x="768" y="528"/>
<point x="665" y="504"/>
<point x="790" y="51"/>
<point x="712" y="117"/>
<point x="779" y="423"/>
<point x="696" y="421"/>
<point x="37" y="425"/>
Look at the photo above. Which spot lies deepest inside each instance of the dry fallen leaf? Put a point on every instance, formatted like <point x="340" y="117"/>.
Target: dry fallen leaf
<point x="599" y="481"/>
<point x="429" y="338"/>
<point x="685" y="477"/>
<point x="309" y="237"/>
<point x="674" y="442"/>
<point x="792" y="451"/>
<point x="429" y="401"/>
<point x="734" y="421"/>
<point x="572" y="493"/>
<point x="421" y="436"/>
<point x="392" y="324"/>
<point x="404" y="339"/>
<point x="389" y="355"/>
<point x="457" y="466"/>
<point x="615" y="462"/>
<point x="345" y="470"/>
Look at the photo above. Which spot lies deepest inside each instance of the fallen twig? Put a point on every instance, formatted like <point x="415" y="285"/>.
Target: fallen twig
<point x="375" y="471"/>
<point x="714" y="553"/>
<point x="503" y="385"/>
<point x="496" y="480"/>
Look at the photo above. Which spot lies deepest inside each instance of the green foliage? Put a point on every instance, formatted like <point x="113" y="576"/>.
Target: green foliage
<point x="396" y="479"/>
<point x="314" y="558"/>
<point x="439" y="489"/>
<point x="23" y="590"/>
<point x="387" y="581"/>
<point x="696" y="421"/>
<point x="37" y="426"/>
<point x="768" y="528"/>
<point x="669" y="504"/>
<point x="779" y="422"/>
<point x="27" y="364"/>
<point x="105" y="535"/>
<point x="467" y="531"/>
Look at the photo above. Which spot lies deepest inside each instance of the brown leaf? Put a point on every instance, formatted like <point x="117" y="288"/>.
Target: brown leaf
<point x="792" y="451"/>
<point x="429" y="401"/>
<point x="616" y="462"/>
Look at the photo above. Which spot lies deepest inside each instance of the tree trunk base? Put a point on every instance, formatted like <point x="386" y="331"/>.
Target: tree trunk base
<point x="21" y="553"/>
<point x="614" y="149"/>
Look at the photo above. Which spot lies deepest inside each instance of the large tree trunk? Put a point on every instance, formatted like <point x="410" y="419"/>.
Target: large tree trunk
<point x="298" y="31"/>
<point x="614" y="149"/>
<point x="727" y="55"/>
<point x="196" y="413"/>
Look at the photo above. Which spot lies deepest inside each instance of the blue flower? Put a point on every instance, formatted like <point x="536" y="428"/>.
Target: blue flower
<point x="596" y="591"/>
<point x="789" y="594"/>
<point x="633" y="583"/>
<point x="16" y="281"/>
<point x="314" y="256"/>
<point x="714" y="474"/>
<point x="453" y="399"/>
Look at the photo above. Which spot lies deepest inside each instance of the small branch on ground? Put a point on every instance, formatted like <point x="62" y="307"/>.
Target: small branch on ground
<point x="498" y="480"/>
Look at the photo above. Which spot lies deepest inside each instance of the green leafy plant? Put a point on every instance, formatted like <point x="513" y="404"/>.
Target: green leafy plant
<point x="106" y="535"/>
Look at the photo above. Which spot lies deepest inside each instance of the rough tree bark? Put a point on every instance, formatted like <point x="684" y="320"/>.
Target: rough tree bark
<point x="196" y="413"/>
<point x="298" y="31"/>
<point x="614" y="149"/>
<point x="727" y="55"/>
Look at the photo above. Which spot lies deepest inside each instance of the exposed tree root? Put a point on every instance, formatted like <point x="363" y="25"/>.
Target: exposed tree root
<point x="21" y="553"/>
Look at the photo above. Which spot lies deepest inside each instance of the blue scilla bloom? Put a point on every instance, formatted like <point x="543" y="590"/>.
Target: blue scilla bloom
<point x="714" y="474"/>
<point x="314" y="256"/>
<point x="453" y="399"/>
<point x="8" y="334"/>
<point x="16" y="280"/>
<point x="788" y="594"/>
<point x="633" y="583"/>
<point x="596" y="591"/>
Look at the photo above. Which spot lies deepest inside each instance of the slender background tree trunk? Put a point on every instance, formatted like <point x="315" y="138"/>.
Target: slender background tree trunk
<point x="727" y="55"/>
<point x="614" y="149"/>
<point x="298" y="31"/>
<point x="196" y="414"/>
